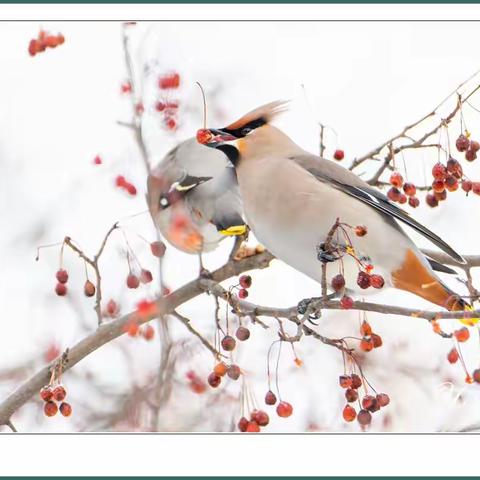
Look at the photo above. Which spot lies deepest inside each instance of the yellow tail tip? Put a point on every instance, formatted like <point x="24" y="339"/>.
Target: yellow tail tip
<point x="469" y="322"/>
<point x="234" y="230"/>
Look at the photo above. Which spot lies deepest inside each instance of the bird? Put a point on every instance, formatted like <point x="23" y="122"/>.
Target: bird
<point x="193" y="198"/>
<point x="293" y="198"/>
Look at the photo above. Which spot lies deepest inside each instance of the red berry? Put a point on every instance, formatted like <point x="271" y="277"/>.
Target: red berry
<point x="270" y="398"/>
<point x="338" y="282"/>
<point x="171" y="80"/>
<point x="365" y="329"/>
<point x="377" y="340"/>
<point x="360" y="230"/>
<point x="120" y="181"/>
<point x="476" y="188"/>
<point x="454" y="167"/>
<point x="370" y="403"/>
<point x="97" y="160"/>
<point x="339" y="155"/>
<point x="242" y="333"/>
<point x="220" y="369"/>
<point x="61" y="289"/>
<point x="410" y="189"/>
<point x="474" y="145"/>
<point x="132" y="328"/>
<point x="462" y="143"/>
<point x="253" y="427"/>
<point x="377" y="281"/>
<point x="470" y="155"/>
<point x="46" y="393"/>
<point x="356" y="381"/>
<point x="438" y="186"/>
<point x="364" y="417"/>
<point x="203" y="136"/>
<point x="363" y="280"/>
<point x="112" y="308"/>
<point x="214" y="380"/>
<point x="453" y="355"/>
<point x="65" y="409"/>
<point x="243" y="424"/>
<point x="451" y="183"/>
<point x="126" y="87"/>
<point x="284" y="409"/>
<point x="131" y="189"/>
<point x="394" y="194"/>
<point x="439" y="171"/>
<point x="260" y="417"/>
<point x="402" y="199"/>
<point x="62" y="276"/>
<point x="245" y="281"/>
<point x="345" y="381"/>
<point x="383" y="399"/>
<point x="158" y="249"/>
<point x="349" y="414"/>
<point x="346" y="302"/>
<point x="170" y="123"/>
<point x="462" y="335"/>
<point x="146" y="276"/>
<point x="89" y="289"/>
<point x="159" y="106"/>
<point x="33" y="48"/>
<point x="476" y="375"/>
<point x="366" y="344"/>
<point x="243" y="293"/>
<point x="132" y="281"/>
<point x="234" y="372"/>
<point x="50" y="409"/>
<point x="466" y="185"/>
<point x="148" y="333"/>
<point x="396" y="179"/>
<point x="440" y="196"/>
<point x="228" y="343"/>
<point x="414" y="202"/>
<point x="139" y="108"/>
<point x="431" y="200"/>
<point x="59" y="393"/>
<point x="351" y="395"/>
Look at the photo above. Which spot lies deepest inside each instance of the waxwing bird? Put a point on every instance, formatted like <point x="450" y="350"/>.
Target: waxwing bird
<point x="292" y="198"/>
<point x="193" y="198"/>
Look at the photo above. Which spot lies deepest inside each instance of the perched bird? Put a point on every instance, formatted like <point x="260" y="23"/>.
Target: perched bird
<point x="293" y="198"/>
<point x="193" y="198"/>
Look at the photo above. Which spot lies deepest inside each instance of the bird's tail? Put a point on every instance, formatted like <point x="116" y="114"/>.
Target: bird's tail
<point x="416" y="277"/>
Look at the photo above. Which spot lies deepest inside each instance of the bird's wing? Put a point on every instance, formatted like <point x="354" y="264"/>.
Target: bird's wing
<point x="349" y="183"/>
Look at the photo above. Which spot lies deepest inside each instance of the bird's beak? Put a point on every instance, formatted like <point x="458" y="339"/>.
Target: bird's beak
<point x="213" y="138"/>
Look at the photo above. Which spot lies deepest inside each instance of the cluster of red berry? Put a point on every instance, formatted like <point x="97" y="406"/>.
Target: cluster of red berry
<point x="165" y="105"/>
<point x="462" y="335"/>
<point x="43" y="41"/>
<point x="260" y="418"/>
<point x="470" y="147"/>
<point x="220" y="370"/>
<point x="50" y="395"/>
<point x="121" y="182"/>
<point x="409" y="191"/>
<point x="132" y="329"/>
<point x="446" y="178"/>
<point x="369" y="339"/>
<point x="368" y="405"/>
<point x="61" y="287"/>
<point x="196" y="384"/>
<point x="133" y="281"/>
<point x="245" y="282"/>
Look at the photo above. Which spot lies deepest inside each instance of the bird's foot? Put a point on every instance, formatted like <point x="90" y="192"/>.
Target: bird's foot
<point x="327" y="254"/>
<point x="204" y="273"/>
<point x="305" y="305"/>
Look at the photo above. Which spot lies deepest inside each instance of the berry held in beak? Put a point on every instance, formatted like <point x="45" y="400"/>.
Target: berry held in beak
<point x="212" y="137"/>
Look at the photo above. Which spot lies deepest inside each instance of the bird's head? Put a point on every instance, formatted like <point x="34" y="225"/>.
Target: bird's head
<point x="234" y="139"/>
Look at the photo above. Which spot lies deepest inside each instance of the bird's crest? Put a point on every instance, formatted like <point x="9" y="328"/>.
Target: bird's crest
<point x="266" y="113"/>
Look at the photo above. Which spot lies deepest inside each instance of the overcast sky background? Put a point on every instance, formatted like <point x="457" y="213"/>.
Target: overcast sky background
<point x="59" y="109"/>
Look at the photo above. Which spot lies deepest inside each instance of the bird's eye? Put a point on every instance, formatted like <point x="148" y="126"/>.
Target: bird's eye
<point x="245" y="131"/>
<point x="164" y="202"/>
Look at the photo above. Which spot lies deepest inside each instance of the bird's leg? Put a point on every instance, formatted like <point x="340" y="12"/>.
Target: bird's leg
<point x="312" y="306"/>
<point x="203" y="273"/>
